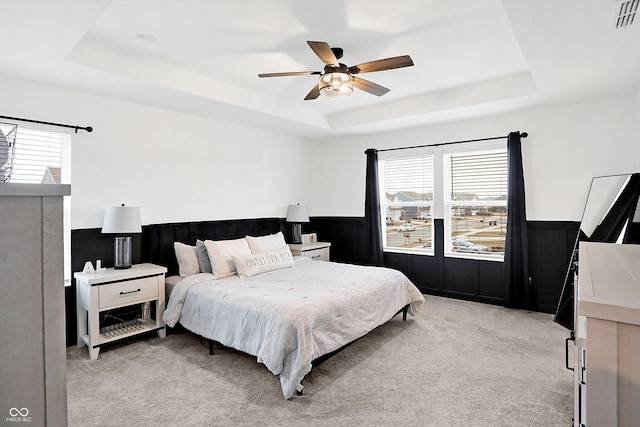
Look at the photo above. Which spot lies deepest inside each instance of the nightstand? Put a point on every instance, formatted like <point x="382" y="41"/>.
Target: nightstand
<point x="318" y="251"/>
<point x="101" y="291"/>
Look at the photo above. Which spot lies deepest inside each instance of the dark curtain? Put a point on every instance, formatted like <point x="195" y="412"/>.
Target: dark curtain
<point x="516" y="256"/>
<point x="372" y="218"/>
<point x="621" y="212"/>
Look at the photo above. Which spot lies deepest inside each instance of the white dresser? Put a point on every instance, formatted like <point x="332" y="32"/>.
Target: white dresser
<point x="607" y="349"/>
<point x="33" y="365"/>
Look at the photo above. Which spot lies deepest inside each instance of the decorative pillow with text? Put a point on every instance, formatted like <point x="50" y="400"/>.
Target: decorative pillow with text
<point x="250" y="265"/>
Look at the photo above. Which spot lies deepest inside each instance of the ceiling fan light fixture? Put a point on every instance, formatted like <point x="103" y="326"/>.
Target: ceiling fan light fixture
<point x="336" y="85"/>
<point x="337" y="81"/>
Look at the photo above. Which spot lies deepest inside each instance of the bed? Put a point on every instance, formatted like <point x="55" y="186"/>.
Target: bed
<point x="290" y="314"/>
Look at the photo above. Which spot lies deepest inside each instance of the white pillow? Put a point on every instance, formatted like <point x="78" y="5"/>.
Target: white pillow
<point x="250" y="265"/>
<point x="187" y="259"/>
<point x="265" y="244"/>
<point x="220" y="255"/>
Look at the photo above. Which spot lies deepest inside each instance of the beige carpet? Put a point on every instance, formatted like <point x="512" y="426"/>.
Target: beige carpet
<point x="456" y="364"/>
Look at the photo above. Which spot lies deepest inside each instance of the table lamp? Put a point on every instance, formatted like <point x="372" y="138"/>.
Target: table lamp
<point x="297" y="214"/>
<point x="122" y="220"/>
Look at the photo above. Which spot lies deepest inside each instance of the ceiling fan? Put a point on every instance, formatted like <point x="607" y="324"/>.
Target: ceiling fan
<point x="339" y="80"/>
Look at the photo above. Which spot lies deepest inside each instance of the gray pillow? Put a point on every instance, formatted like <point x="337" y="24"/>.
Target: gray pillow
<point x="203" y="257"/>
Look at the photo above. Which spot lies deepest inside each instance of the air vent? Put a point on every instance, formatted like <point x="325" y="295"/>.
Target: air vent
<point x="624" y="13"/>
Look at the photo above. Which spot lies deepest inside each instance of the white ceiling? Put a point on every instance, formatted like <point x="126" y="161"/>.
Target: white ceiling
<point x="472" y="58"/>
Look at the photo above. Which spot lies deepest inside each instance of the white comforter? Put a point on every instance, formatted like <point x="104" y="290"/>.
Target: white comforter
<point x="289" y="317"/>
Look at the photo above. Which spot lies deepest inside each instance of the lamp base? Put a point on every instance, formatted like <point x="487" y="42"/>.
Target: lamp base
<point x="296" y="236"/>
<point x="122" y="253"/>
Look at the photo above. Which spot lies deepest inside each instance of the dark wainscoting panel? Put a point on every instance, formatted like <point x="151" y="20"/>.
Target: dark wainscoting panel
<point x="489" y="274"/>
<point x="346" y="235"/>
<point x="426" y="271"/>
<point x="461" y="278"/>
<point x="92" y="245"/>
<point x="550" y="246"/>
<point x="404" y="263"/>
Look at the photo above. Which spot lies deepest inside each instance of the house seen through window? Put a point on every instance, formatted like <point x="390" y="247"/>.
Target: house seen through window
<point x="467" y="190"/>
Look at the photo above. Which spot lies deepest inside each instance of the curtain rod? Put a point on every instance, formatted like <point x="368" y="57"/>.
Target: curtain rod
<point x="88" y="128"/>
<point x="522" y="135"/>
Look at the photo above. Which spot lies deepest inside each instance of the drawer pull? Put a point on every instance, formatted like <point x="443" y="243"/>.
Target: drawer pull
<point x="566" y="351"/>
<point x="130" y="292"/>
<point x="315" y="256"/>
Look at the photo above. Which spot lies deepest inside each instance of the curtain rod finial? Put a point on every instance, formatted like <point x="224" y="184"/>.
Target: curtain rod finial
<point x="524" y="135"/>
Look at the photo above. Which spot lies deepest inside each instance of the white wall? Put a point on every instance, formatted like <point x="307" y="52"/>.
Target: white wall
<point x="178" y="167"/>
<point x="638" y="112"/>
<point x="566" y="147"/>
<point x="175" y="167"/>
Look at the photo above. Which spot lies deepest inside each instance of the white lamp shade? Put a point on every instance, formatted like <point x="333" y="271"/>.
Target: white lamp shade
<point x="298" y="213"/>
<point x="121" y="220"/>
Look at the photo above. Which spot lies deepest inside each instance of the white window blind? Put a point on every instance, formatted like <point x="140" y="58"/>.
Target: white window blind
<point x="414" y="174"/>
<point x="406" y="201"/>
<point x="476" y="202"/>
<point x="45" y="158"/>
<point x="483" y="175"/>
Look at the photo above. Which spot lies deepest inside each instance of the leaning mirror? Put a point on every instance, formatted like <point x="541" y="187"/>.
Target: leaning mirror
<point x="611" y="214"/>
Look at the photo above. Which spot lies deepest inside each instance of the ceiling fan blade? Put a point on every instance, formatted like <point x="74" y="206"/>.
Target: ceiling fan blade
<point x="313" y="94"/>
<point x="324" y="52"/>
<point x="368" y="86"/>
<point x="292" y="73"/>
<point x="382" y="64"/>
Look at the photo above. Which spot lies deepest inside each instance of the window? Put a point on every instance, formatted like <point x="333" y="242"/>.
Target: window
<point x="45" y="158"/>
<point x="466" y="189"/>
<point x="475" y="214"/>
<point x="406" y="202"/>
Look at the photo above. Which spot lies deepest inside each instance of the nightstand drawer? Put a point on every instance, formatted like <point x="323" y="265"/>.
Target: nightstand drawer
<point x="317" y="254"/>
<point x="318" y="251"/>
<point x="128" y="292"/>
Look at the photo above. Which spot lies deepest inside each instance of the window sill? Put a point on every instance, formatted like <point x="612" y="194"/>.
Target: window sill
<point x="471" y="255"/>
<point x="408" y="251"/>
